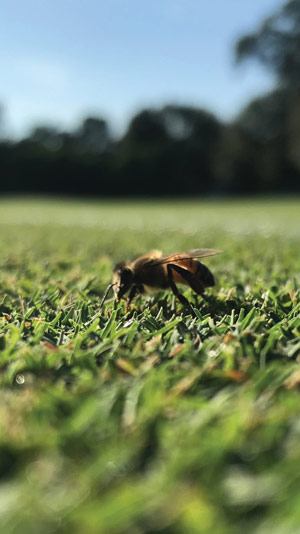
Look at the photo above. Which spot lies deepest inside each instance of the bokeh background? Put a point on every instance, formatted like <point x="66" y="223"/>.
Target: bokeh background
<point x="173" y="98"/>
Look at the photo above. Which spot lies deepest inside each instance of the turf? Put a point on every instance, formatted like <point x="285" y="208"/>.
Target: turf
<point x="151" y="421"/>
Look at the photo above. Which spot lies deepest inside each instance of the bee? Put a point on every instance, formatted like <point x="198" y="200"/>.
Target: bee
<point x="154" y="271"/>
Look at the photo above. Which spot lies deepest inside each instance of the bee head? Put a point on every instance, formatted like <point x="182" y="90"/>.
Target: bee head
<point x="123" y="280"/>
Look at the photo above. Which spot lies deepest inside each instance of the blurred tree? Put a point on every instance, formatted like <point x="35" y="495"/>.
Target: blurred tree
<point x="167" y="152"/>
<point x="184" y="122"/>
<point x="93" y="135"/>
<point x="233" y="163"/>
<point x="276" y="44"/>
<point x="274" y="119"/>
<point x="2" y="123"/>
<point x="195" y="134"/>
<point x="138" y="157"/>
<point x="265" y="118"/>
<point x="46" y="136"/>
<point x="146" y="127"/>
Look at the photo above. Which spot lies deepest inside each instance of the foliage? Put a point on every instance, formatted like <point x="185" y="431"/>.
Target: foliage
<point x="177" y="149"/>
<point x="173" y="151"/>
<point x="150" y="422"/>
<point x="276" y="44"/>
<point x="272" y="121"/>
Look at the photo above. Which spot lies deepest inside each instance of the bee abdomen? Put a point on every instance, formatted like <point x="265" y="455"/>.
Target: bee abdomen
<point x="205" y="275"/>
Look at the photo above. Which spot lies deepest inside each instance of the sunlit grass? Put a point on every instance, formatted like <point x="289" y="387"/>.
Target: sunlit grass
<point x="153" y="421"/>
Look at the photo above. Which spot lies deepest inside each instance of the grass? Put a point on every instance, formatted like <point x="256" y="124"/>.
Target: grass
<point x="154" y="421"/>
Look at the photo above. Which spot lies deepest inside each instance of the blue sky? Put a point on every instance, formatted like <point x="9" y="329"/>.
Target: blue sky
<point x="63" y="59"/>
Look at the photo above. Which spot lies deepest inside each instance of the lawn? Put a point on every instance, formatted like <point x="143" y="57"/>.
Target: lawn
<point x="152" y="421"/>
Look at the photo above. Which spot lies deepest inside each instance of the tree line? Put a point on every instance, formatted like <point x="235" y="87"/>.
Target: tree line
<point x="178" y="150"/>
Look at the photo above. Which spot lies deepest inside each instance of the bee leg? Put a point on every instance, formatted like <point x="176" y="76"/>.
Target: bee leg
<point x="105" y="295"/>
<point x="174" y="288"/>
<point x="194" y="283"/>
<point x="131" y="296"/>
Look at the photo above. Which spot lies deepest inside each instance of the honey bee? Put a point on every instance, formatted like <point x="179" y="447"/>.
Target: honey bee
<point x="154" y="271"/>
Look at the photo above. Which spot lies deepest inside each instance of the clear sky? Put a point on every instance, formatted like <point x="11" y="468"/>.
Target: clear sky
<point x="63" y="59"/>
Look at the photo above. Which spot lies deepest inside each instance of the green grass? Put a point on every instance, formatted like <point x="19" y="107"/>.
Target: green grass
<point x="154" y="421"/>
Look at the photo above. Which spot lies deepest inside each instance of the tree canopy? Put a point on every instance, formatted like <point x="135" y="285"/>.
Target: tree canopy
<point x="177" y="149"/>
<point x="276" y="44"/>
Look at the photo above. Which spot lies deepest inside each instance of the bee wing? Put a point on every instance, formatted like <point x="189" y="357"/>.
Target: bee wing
<point x="187" y="255"/>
